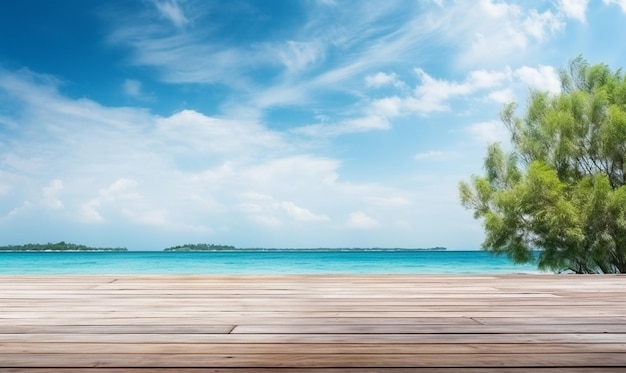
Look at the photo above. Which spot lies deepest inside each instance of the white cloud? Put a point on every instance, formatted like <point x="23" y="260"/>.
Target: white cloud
<point x="300" y="213"/>
<point x="369" y="122"/>
<point x="432" y="95"/>
<point x="181" y="57"/>
<point x="153" y="217"/>
<point x="620" y="3"/>
<point x="381" y="79"/>
<point x="172" y="11"/>
<point x="502" y="96"/>
<point x="267" y="221"/>
<point x="482" y="79"/>
<point x="544" y="78"/>
<point x="120" y="190"/>
<point x="17" y="211"/>
<point x="298" y="56"/>
<point x="360" y="220"/>
<point x="388" y="106"/>
<point x="540" y="26"/>
<point x="492" y="32"/>
<point x="432" y="156"/>
<point x="489" y="132"/>
<point x="50" y="194"/>
<point x="574" y="8"/>
<point x="88" y="212"/>
<point x="132" y="87"/>
<point x="388" y="201"/>
<point x="265" y="210"/>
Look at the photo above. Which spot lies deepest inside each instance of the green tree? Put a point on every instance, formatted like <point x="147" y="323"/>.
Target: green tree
<point x="562" y="188"/>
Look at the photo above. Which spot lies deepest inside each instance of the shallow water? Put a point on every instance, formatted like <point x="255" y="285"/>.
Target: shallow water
<point x="260" y="262"/>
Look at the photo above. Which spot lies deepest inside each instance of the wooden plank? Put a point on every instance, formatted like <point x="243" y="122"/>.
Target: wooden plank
<point x="326" y="370"/>
<point x="116" y="329"/>
<point x="232" y="320"/>
<point x="312" y="328"/>
<point x="216" y="314"/>
<point x="315" y="338"/>
<point x="520" y="360"/>
<point x="329" y="328"/>
<point x="192" y="347"/>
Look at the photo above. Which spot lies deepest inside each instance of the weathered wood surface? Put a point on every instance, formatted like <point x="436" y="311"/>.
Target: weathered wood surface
<point x="311" y="323"/>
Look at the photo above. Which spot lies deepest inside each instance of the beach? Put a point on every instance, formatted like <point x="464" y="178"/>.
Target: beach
<point x="303" y="323"/>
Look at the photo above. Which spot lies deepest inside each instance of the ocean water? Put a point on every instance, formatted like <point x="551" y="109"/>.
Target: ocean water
<point x="259" y="262"/>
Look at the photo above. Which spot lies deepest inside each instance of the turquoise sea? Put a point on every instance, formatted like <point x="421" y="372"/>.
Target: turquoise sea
<point x="259" y="262"/>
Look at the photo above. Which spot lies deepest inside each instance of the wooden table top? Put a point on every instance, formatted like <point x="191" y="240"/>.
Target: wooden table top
<point x="311" y="323"/>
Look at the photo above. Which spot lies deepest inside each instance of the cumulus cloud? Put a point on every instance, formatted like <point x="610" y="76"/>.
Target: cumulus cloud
<point x="300" y="213"/>
<point x="489" y="132"/>
<point x="360" y="220"/>
<point x="381" y="79"/>
<point x="120" y="190"/>
<point x="50" y="194"/>
<point x="187" y="173"/>
<point x="574" y="8"/>
<point x="489" y="32"/>
<point x="544" y="78"/>
<point x="502" y="96"/>
<point x="266" y="210"/>
<point x="432" y="94"/>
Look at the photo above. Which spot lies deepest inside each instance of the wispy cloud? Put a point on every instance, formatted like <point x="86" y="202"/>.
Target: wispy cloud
<point x="298" y="56"/>
<point x="433" y="155"/>
<point x="172" y="11"/>
<point x="134" y="89"/>
<point x="620" y="3"/>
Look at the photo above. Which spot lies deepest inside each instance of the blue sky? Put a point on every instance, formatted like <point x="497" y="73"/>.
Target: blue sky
<point x="312" y="123"/>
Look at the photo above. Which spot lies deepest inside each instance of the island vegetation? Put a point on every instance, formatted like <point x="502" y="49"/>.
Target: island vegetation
<point x="59" y="246"/>
<point x="200" y="247"/>
<point x="562" y="187"/>
<point x="214" y="247"/>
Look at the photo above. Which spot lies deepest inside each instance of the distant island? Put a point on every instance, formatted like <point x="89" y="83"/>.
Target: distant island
<point x="59" y="246"/>
<point x="214" y="247"/>
<point x="200" y="247"/>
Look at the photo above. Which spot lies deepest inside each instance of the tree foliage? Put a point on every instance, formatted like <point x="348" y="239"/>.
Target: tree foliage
<point x="59" y="246"/>
<point x="200" y="247"/>
<point x="562" y="187"/>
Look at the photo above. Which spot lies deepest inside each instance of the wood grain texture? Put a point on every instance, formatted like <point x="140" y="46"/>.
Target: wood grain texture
<point x="312" y="323"/>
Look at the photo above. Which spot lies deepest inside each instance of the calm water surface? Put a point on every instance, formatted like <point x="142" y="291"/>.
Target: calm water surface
<point x="259" y="262"/>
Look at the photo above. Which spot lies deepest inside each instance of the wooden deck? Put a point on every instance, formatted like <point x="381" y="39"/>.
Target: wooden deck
<point x="330" y="323"/>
